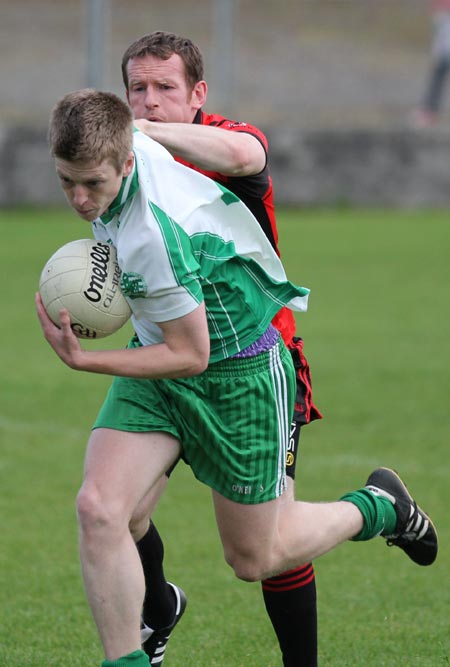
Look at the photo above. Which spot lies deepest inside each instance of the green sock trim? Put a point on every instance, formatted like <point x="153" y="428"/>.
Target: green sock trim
<point x="373" y="511"/>
<point x="136" y="659"/>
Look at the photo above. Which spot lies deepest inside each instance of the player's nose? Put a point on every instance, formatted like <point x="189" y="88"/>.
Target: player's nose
<point x="79" y="195"/>
<point x="151" y="99"/>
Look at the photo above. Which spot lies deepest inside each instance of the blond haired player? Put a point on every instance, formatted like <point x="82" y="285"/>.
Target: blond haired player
<point x="203" y="284"/>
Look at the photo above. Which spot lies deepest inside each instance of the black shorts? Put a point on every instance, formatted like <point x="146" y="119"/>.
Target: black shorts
<point x="304" y="410"/>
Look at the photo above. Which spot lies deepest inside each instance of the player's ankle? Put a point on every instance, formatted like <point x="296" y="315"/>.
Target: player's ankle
<point x="136" y="659"/>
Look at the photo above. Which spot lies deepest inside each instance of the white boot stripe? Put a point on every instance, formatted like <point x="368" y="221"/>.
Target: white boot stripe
<point x="424" y="530"/>
<point x="177" y="596"/>
<point x="414" y="526"/>
<point x="381" y="492"/>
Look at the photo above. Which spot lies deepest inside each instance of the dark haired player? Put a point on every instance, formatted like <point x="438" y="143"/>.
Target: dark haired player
<point x="163" y="77"/>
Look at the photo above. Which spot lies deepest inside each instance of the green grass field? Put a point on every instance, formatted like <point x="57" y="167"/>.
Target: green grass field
<point x="376" y="334"/>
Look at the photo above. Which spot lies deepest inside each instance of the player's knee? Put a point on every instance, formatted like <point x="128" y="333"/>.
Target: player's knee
<point x="248" y="570"/>
<point x="94" y="514"/>
<point x="89" y="509"/>
<point x="248" y="565"/>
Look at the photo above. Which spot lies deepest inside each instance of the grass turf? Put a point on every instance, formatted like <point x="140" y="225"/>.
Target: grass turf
<point x="376" y="337"/>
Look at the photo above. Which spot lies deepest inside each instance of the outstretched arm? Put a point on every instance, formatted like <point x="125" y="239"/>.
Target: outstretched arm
<point x="209" y="148"/>
<point x="184" y="352"/>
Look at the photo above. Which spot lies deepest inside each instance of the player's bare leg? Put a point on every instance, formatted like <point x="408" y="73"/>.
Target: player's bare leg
<point x="263" y="540"/>
<point x="140" y="520"/>
<point x="120" y="470"/>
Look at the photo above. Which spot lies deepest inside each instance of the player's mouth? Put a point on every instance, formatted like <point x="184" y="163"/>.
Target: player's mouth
<point x="88" y="214"/>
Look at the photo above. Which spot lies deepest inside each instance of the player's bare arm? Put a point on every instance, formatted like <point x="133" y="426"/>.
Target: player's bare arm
<point x="211" y="148"/>
<point x="184" y="352"/>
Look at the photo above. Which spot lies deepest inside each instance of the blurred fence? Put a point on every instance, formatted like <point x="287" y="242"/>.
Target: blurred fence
<point x="310" y="167"/>
<point x="332" y="83"/>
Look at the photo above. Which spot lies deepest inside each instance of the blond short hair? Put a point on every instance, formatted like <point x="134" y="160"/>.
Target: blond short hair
<point x="89" y="125"/>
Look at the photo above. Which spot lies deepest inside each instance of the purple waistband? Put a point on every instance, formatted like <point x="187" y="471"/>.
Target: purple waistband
<point x="261" y="344"/>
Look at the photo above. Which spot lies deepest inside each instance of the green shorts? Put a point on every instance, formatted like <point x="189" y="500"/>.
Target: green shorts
<point x="232" y="420"/>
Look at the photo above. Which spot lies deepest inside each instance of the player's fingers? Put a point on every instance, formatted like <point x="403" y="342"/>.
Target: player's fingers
<point x="41" y="312"/>
<point x="64" y="320"/>
<point x="39" y="305"/>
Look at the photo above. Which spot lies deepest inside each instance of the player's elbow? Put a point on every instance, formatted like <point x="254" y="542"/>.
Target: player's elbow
<point x="198" y="363"/>
<point x="194" y="363"/>
<point x="246" y="161"/>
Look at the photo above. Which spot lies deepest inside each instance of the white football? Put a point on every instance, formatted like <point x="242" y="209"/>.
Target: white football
<point x="84" y="277"/>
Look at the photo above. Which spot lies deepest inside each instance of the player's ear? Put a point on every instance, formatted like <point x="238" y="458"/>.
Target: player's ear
<point x="128" y="165"/>
<point x="199" y="94"/>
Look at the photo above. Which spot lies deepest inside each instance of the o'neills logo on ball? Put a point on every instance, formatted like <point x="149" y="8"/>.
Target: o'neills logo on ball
<point x="99" y="260"/>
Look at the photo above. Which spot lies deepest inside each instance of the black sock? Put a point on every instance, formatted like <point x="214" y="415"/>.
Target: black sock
<point x="290" y="600"/>
<point x="159" y="602"/>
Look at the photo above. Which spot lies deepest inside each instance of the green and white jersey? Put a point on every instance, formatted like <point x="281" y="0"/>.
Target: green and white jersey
<point x="181" y="238"/>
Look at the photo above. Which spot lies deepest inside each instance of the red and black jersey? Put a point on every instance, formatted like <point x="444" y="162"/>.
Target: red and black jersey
<point x="256" y="192"/>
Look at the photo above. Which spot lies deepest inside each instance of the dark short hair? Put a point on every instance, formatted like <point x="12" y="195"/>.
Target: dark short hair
<point x="163" y="45"/>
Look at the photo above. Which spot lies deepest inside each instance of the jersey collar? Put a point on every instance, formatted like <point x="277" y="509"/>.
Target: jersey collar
<point x="129" y="187"/>
<point x="198" y="118"/>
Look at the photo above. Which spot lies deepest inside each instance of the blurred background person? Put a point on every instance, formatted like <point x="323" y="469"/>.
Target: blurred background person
<point x="429" y="111"/>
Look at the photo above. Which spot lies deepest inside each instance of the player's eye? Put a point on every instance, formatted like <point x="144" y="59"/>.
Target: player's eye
<point x="65" y="180"/>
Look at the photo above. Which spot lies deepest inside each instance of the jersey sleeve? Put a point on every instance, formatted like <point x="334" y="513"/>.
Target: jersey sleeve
<point x="236" y="126"/>
<point x="257" y="183"/>
<point x="159" y="272"/>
